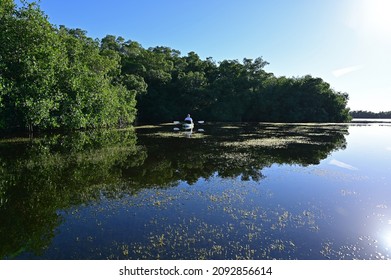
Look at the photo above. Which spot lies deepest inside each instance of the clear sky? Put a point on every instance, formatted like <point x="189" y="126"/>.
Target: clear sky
<point x="347" y="43"/>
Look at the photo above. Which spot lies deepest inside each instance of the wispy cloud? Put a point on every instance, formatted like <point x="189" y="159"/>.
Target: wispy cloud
<point x="342" y="164"/>
<point x="346" y="70"/>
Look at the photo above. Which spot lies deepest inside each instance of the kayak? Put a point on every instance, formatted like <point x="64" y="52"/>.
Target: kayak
<point x="188" y="125"/>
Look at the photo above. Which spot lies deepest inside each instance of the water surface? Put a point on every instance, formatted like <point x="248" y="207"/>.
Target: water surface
<point x="224" y="191"/>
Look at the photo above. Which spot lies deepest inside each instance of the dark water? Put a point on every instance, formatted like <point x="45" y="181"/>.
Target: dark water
<point x="228" y="191"/>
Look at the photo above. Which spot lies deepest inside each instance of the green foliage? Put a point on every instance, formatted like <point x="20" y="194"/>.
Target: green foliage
<point x="227" y="91"/>
<point x="41" y="176"/>
<point x="94" y="97"/>
<point x="304" y="99"/>
<point x="58" y="77"/>
<point x="6" y="8"/>
<point x="30" y="57"/>
<point x="370" y="115"/>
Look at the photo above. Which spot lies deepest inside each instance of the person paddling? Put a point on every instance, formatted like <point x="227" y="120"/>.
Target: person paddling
<point x="188" y="119"/>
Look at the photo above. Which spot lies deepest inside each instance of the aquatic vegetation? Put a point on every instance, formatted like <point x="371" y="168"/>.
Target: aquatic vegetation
<point x="244" y="234"/>
<point x="230" y="127"/>
<point x="258" y="191"/>
<point x="270" y="142"/>
<point x="146" y="126"/>
<point x="177" y="134"/>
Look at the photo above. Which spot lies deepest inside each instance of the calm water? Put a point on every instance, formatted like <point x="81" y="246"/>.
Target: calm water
<point x="225" y="191"/>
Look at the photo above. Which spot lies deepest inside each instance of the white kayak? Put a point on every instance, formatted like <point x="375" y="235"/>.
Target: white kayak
<point x="188" y="125"/>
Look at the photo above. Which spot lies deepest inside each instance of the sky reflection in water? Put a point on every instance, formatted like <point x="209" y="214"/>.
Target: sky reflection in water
<point x="233" y="191"/>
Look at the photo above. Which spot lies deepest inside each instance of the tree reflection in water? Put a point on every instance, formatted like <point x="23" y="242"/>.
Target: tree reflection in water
<point x="42" y="176"/>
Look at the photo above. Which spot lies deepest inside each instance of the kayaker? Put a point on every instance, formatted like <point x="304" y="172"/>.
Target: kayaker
<point x="188" y="119"/>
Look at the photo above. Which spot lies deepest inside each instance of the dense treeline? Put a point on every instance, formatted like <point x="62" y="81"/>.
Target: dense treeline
<point x="225" y="91"/>
<point x="370" y="115"/>
<point x="55" y="77"/>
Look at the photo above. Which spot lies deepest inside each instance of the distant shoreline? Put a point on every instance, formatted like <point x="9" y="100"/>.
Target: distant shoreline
<point x="370" y="120"/>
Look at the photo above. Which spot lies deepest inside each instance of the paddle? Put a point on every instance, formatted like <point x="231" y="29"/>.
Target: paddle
<point x="200" y="122"/>
<point x="178" y="122"/>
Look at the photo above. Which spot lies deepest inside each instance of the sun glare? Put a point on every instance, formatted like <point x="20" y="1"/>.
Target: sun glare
<point x="376" y="16"/>
<point x="371" y="18"/>
<point x="387" y="240"/>
<point x="378" y="11"/>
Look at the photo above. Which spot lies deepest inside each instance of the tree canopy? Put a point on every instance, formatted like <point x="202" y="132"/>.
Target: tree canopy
<point x="370" y="115"/>
<point x="173" y="85"/>
<point x="55" y="77"/>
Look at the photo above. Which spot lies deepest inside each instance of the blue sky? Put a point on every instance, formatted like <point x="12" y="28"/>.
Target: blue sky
<point x="345" y="42"/>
